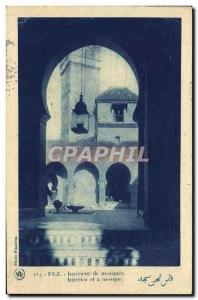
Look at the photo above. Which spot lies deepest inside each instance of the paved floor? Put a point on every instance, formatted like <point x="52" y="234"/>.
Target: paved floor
<point x="160" y="249"/>
<point x="117" y="219"/>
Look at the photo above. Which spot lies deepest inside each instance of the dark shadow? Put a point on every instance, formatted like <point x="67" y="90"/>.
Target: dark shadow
<point x="56" y="168"/>
<point x="118" y="178"/>
<point x="53" y="170"/>
<point x="141" y="248"/>
<point x="35" y="248"/>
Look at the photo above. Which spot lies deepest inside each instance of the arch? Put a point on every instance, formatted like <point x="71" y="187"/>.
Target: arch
<point x="86" y="194"/>
<point x="118" y="178"/>
<point x="119" y="166"/>
<point x="72" y="47"/>
<point x="56" y="168"/>
<point x="77" y="44"/>
<point x="89" y="167"/>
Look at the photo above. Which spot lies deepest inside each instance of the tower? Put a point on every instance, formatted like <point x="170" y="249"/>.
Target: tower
<point x="115" y="108"/>
<point x="79" y="82"/>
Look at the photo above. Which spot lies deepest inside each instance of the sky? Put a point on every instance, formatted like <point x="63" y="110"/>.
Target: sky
<point x="114" y="72"/>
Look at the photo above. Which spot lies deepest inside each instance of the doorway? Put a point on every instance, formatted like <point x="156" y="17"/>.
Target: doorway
<point x="118" y="184"/>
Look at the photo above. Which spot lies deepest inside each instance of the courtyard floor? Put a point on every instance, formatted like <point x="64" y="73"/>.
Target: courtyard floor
<point x="117" y="219"/>
<point x="120" y="230"/>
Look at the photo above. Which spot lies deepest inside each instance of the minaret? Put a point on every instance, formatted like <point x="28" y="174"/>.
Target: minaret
<point x="79" y="76"/>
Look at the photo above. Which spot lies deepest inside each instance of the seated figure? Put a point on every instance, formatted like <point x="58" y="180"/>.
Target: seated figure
<point x="58" y="205"/>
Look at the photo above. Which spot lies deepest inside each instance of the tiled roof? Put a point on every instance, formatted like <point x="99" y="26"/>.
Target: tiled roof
<point x="117" y="94"/>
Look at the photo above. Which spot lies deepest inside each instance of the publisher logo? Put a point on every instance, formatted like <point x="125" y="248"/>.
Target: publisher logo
<point x="19" y="274"/>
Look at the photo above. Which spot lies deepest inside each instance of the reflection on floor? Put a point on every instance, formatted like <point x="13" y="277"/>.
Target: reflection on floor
<point x="111" y="238"/>
<point x="117" y="219"/>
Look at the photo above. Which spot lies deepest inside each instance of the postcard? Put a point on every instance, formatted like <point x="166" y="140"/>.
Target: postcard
<point x="99" y="150"/>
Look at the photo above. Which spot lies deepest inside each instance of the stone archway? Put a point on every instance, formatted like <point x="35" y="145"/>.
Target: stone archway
<point x="87" y="173"/>
<point x="118" y="178"/>
<point x="56" y="183"/>
<point x="56" y="59"/>
<point x="86" y="185"/>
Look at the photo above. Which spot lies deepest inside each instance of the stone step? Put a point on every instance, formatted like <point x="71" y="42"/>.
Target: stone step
<point x="76" y="239"/>
<point x="84" y="257"/>
<point x="80" y="247"/>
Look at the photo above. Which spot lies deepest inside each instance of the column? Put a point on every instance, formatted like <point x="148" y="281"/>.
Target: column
<point x="43" y="199"/>
<point x="70" y="187"/>
<point x="102" y="191"/>
<point x="65" y="191"/>
<point x="134" y="185"/>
